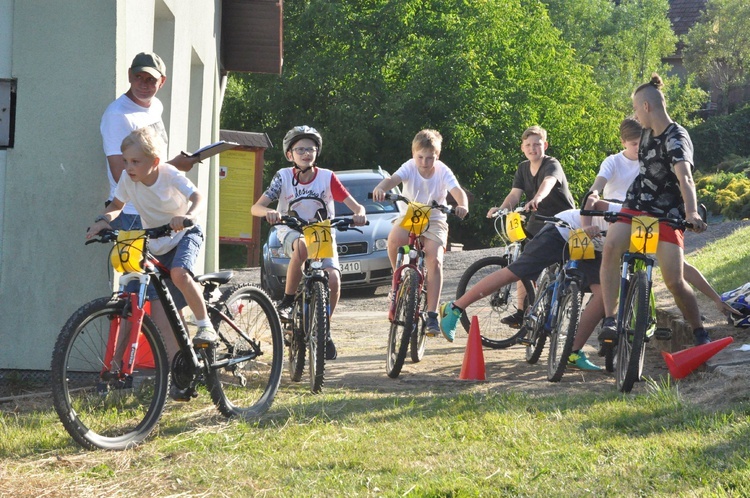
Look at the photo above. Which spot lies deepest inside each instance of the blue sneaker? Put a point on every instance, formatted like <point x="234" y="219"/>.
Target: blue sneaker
<point x="449" y="316"/>
<point x="577" y="359"/>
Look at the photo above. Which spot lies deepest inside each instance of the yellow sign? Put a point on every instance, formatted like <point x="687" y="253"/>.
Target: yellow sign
<point x="236" y="194"/>
<point x="514" y="227"/>
<point x="580" y="245"/>
<point x="318" y="240"/>
<point x="417" y="218"/>
<point x="644" y="234"/>
<point x="127" y="254"/>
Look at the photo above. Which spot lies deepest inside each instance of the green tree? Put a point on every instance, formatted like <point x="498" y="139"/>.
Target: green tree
<point x="717" y="47"/>
<point x="369" y="74"/>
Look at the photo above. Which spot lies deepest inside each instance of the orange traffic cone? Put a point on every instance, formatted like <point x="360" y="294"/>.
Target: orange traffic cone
<point x="473" y="367"/>
<point x="683" y="362"/>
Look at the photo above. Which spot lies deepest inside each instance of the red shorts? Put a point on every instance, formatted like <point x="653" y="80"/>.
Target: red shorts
<point x="667" y="233"/>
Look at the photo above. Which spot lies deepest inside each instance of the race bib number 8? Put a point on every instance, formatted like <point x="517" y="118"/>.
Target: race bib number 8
<point x="644" y="234"/>
<point x="318" y="240"/>
<point x="417" y="218"/>
<point x="580" y="245"/>
<point x="514" y="228"/>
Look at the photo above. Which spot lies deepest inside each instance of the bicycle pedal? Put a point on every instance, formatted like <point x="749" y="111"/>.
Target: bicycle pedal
<point x="663" y="334"/>
<point x="525" y="342"/>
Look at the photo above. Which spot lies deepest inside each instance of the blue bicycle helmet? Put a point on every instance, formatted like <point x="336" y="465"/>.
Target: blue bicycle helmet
<point x="739" y="299"/>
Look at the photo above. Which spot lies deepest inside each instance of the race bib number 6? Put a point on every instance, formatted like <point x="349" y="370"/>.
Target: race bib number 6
<point x="644" y="234"/>
<point x="580" y="245"/>
<point x="417" y="218"/>
<point x="318" y="240"/>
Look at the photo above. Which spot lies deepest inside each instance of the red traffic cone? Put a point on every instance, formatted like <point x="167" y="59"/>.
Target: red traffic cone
<point x="683" y="362"/>
<point x="473" y="367"/>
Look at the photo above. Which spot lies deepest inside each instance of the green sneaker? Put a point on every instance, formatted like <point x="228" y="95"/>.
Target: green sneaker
<point x="449" y="317"/>
<point x="577" y="359"/>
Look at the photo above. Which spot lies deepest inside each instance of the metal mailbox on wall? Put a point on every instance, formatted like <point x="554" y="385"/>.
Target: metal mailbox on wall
<point x="240" y="184"/>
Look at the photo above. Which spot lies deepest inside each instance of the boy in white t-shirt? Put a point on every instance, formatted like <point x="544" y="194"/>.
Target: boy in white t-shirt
<point x="426" y="179"/>
<point x="618" y="171"/>
<point x="163" y="195"/>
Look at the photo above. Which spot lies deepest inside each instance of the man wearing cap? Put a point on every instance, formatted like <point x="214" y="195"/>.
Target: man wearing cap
<point x="136" y="108"/>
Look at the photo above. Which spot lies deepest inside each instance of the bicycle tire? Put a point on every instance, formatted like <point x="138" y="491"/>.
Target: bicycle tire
<point x="562" y="337"/>
<point x="297" y="343"/>
<point x="535" y="336"/>
<point x="491" y="309"/>
<point x="318" y="328"/>
<point x="418" y="340"/>
<point x="101" y="413"/>
<point x="403" y="322"/>
<point x="246" y="389"/>
<point x="631" y="344"/>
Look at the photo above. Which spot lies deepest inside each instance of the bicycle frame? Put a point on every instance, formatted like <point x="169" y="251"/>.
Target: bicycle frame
<point x="415" y="245"/>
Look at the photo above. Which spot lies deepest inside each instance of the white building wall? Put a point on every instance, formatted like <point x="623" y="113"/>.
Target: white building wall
<point x="53" y="180"/>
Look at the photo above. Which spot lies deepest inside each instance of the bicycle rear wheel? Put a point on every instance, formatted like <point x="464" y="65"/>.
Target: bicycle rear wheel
<point x="631" y="342"/>
<point x="403" y="322"/>
<point x="105" y="409"/>
<point x="246" y="369"/>
<point x="418" y="341"/>
<point x="317" y="322"/>
<point x="492" y="308"/>
<point x="535" y="319"/>
<point x="562" y="337"/>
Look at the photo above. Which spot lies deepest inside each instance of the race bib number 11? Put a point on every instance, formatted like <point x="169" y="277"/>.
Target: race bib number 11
<point x="318" y="240"/>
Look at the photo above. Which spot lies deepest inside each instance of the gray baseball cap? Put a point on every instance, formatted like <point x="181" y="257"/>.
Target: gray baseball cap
<point x="150" y="63"/>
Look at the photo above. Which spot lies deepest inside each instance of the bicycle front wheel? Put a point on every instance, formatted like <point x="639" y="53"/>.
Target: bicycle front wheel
<point x="403" y="323"/>
<point x="535" y="319"/>
<point x="562" y="337"/>
<point x="631" y="344"/>
<point x="317" y="322"/>
<point x="247" y="362"/>
<point x="492" y="308"/>
<point x="101" y="408"/>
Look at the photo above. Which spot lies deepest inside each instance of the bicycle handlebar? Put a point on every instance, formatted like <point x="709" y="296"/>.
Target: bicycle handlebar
<point x="433" y="205"/>
<point x="109" y="235"/>
<point x="340" y="224"/>
<point x="503" y="212"/>
<point x="613" y="216"/>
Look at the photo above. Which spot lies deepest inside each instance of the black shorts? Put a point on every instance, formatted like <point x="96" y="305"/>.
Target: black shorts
<point x="547" y="248"/>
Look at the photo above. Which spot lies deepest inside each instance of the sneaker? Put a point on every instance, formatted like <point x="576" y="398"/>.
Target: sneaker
<point x="577" y="359"/>
<point x="331" y="352"/>
<point x="607" y="335"/>
<point x="514" y="321"/>
<point x="433" y="327"/>
<point x="285" y="312"/>
<point x="449" y="316"/>
<point x="701" y="336"/>
<point x="182" y="395"/>
<point x="205" y="337"/>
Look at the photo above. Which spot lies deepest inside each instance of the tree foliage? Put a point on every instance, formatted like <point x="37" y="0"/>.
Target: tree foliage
<point x="369" y="74"/>
<point x="717" y="47"/>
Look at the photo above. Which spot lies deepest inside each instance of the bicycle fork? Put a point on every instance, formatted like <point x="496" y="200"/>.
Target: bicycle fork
<point x="631" y="262"/>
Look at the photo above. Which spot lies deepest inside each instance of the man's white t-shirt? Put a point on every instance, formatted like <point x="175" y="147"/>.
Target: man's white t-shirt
<point x="122" y="117"/>
<point x="159" y="203"/>
<point x="426" y="190"/>
<point x="619" y="171"/>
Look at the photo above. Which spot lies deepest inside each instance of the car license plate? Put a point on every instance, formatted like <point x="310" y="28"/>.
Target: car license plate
<point x="350" y="267"/>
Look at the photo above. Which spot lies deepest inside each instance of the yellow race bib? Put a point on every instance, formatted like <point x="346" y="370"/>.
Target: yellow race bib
<point x="417" y="218"/>
<point x="318" y="240"/>
<point x="644" y="234"/>
<point x="514" y="227"/>
<point x="127" y="254"/>
<point x="580" y="245"/>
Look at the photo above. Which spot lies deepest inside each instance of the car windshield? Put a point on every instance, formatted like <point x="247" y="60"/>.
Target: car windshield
<point x="359" y="190"/>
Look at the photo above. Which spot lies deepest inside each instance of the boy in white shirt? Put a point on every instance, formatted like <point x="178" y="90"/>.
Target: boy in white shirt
<point x="426" y="179"/>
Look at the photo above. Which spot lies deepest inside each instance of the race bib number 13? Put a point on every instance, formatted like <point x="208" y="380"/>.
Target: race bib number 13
<point x="318" y="240"/>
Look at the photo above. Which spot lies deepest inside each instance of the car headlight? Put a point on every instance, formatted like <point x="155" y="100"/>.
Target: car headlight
<point x="277" y="252"/>
<point x="381" y="244"/>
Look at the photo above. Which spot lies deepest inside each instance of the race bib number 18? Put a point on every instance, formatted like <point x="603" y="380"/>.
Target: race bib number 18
<point x="644" y="234"/>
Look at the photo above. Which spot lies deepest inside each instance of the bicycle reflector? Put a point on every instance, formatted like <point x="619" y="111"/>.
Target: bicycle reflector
<point x="127" y="254"/>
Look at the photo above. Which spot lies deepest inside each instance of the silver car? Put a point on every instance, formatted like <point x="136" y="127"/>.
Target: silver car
<point x="363" y="257"/>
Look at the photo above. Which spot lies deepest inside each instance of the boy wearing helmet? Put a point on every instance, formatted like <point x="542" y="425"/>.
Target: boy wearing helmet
<point x="310" y="193"/>
<point x="426" y="179"/>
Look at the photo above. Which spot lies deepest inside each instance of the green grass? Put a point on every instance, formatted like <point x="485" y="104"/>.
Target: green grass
<point x="345" y="443"/>
<point x="725" y="262"/>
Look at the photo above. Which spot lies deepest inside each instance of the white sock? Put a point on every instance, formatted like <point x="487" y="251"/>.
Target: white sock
<point x="203" y="323"/>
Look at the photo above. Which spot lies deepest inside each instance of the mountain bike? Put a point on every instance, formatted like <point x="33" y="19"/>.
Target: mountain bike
<point x="110" y="373"/>
<point x="308" y="329"/>
<point x="556" y="310"/>
<point x="636" y="313"/>
<point x="504" y="301"/>
<point x="407" y="313"/>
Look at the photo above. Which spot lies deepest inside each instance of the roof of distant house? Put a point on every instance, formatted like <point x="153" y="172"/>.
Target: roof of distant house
<point x="684" y="13"/>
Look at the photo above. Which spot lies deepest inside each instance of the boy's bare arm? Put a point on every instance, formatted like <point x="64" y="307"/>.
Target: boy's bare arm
<point x="687" y="189"/>
<point x="510" y="201"/>
<point x="358" y="211"/>
<point x="116" y="166"/>
<point x="545" y="188"/>
<point x="462" y="208"/>
<point x="261" y="210"/>
<point x="196" y="205"/>
<point x="385" y="185"/>
<point x="183" y="162"/>
<point x="111" y="212"/>
<point x="598" y="185"/>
